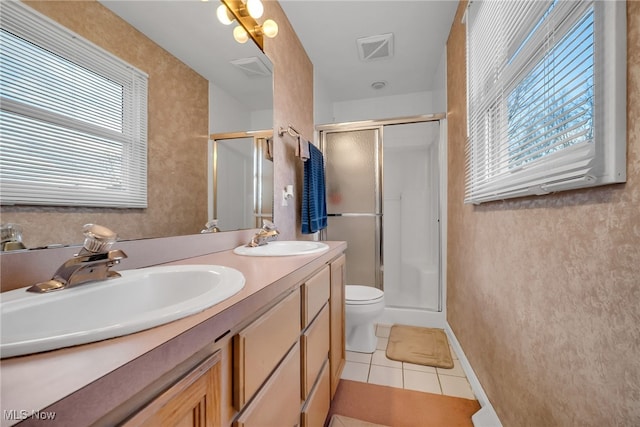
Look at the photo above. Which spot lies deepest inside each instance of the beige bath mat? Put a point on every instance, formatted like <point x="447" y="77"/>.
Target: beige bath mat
<point x="422" y="346"/>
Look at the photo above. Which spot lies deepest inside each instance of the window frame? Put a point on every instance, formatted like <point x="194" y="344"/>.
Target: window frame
<point x="25" y="183"/>
<point x="604" y="163"/>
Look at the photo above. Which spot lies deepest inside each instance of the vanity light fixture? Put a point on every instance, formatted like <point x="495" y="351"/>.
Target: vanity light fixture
<point x="246" y="12"/>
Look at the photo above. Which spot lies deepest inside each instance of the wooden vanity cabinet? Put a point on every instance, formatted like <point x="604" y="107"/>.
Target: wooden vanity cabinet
<point x="286" y="361"/>
<point x="193" y="401"/>
<point x="274" y="359"/>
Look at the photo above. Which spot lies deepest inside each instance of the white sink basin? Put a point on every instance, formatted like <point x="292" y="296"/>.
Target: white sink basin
<point x="283" y="248"/>
<point x="140" y="299"/>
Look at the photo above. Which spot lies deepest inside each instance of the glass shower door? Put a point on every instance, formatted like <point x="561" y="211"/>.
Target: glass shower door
<point x="354" y="206"/>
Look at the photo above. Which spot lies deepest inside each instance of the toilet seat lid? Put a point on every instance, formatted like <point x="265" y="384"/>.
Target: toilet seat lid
<point x="358" y="294"/>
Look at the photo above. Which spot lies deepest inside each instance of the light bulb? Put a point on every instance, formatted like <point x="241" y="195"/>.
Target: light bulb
<point x="255" y="8"/>
<point x="270" y="28"/>
<point x="240" y="34"/>
<point x="223" y="14"/>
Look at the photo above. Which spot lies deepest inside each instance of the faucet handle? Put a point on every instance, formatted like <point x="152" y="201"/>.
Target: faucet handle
<point x="10" y="232"/>
<point x="11" y="237"/>
<point x="97" y="238"/>
<point x="268" y="225"/>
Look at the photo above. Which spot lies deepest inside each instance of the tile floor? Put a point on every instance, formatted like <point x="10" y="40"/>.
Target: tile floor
<point x="377" y="369"/>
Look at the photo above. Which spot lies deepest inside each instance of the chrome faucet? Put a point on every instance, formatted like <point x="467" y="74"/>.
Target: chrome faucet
<point x="90" y="264"/>
<point x="266" y="234"/>
<point x="210" y="227"/>
<point x="11" y="237"/>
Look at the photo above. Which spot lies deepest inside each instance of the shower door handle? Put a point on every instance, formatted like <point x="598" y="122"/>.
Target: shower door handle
<point x="354" y="214"/>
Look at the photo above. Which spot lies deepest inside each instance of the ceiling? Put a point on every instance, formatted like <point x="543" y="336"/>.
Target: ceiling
<point x="190" y="31"/>
<point x="328" y="30"/>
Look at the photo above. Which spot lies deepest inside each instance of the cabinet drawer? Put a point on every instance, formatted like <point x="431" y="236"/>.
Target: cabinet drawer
<point x="278" y="402"/>
<point x="315" y="349"/>
<point x="315" y="293"/>
<point x="259" y="347"/>
<point x="317" y="406"/>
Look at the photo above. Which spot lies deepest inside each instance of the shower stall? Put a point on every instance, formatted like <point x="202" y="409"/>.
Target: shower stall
<point x="383" y="185"/>
<point x="240" y="179"/>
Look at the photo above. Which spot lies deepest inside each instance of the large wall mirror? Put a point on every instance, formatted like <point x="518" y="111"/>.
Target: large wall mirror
<point x="240" y="101"/>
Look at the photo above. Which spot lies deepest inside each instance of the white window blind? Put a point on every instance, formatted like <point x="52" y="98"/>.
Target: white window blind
<point x="73" y="118"/>
<point x="546" y="84"/>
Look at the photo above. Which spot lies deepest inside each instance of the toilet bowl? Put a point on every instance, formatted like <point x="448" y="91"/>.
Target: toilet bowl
<point x="363" y="304"/>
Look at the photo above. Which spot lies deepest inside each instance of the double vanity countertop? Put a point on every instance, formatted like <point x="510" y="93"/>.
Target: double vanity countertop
<point x="83" y="382"/>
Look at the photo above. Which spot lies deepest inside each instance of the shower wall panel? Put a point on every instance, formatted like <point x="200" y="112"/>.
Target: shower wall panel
<point x="411" y="229"/>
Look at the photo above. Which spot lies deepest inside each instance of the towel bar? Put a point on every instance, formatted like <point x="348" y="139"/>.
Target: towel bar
<point x="290" y="130"/>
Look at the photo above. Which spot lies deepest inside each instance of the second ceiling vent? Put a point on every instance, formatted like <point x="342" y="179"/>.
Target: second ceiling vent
<point x="375" y="47"/>
<point x="252" y="67"/>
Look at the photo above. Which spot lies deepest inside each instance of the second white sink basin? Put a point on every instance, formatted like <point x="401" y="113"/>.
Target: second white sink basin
<point x="140" y="299"/>
<point x="283" y="248"/>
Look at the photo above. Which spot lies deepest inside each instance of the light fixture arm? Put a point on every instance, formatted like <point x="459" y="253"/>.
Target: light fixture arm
<point x="239" y="11"/>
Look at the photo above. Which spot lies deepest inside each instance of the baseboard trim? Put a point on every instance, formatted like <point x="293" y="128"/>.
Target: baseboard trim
<point x="412" y="317"/>
<point x="486" y="416"/>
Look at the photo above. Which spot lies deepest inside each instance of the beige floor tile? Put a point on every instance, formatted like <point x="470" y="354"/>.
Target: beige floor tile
<point x="382" y="343"/>
<point x="353" y="356"/>
<point x="421" y="381"/>
<point x="380" y="358"/>
<point x="455" y="386"/>
<point x="384" y="375"/>
<point x="456" y="371"/>
<point x="383" y="331"/>
<point x="421" y="368"/>
<point x="355" y="371"/>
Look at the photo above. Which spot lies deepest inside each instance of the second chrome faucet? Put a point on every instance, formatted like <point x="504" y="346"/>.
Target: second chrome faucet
<point x="266" y="234"/>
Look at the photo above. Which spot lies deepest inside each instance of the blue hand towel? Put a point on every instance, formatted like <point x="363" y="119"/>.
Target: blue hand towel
<point x="314" y="204"/>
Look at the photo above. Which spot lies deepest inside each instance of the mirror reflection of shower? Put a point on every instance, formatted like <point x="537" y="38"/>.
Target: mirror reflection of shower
<point x="241" y="179"/>
<point x="383" y="199"/>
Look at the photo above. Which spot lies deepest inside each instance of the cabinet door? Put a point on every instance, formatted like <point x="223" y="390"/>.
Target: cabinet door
<point x="194" y="401"/>
<point x="278" y="402"/>
<point x="336" y="306"/>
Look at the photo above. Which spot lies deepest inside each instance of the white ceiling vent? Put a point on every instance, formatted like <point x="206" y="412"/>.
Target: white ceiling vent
<point x="252" y="67"/>
<point x="375" y="47"/>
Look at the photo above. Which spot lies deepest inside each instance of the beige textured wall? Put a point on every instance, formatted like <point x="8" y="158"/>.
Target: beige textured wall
<point x="292" y="105"/>
<point x="544" y="293"/>
<point x="177" y="139"/>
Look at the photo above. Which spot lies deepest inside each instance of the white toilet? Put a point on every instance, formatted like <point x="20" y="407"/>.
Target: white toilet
<point x="363" y="304"/>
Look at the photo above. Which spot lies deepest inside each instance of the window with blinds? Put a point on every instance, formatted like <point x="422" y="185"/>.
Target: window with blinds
<point x="546" y="86"/>
<point x="73" y="118"/>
